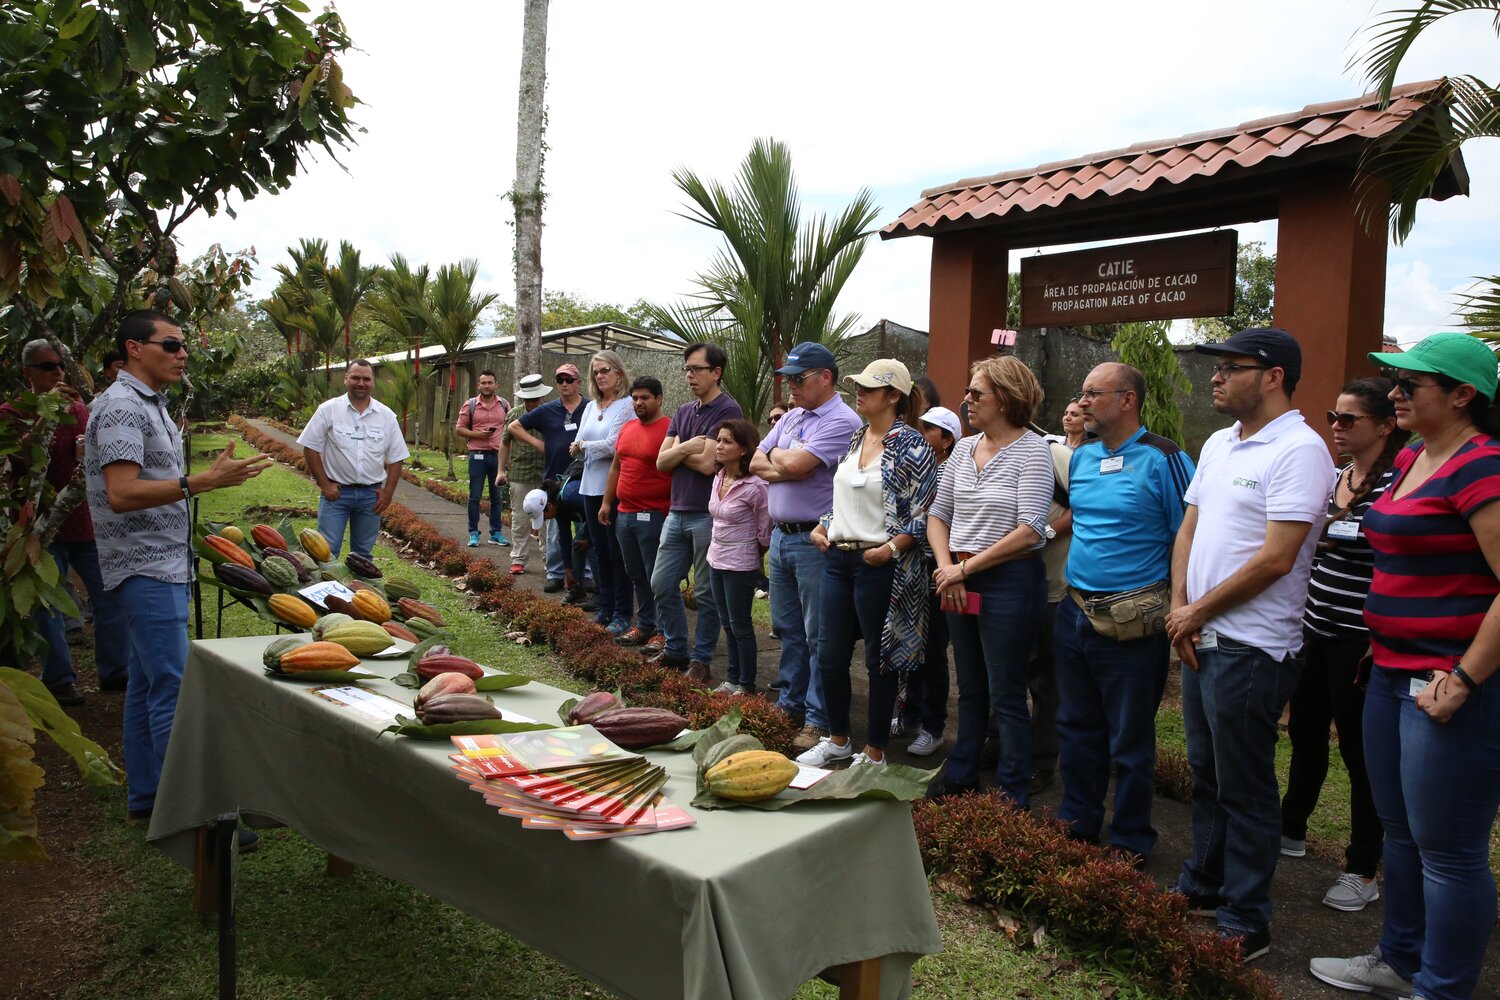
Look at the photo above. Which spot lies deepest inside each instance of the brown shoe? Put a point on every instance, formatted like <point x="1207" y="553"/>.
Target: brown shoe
<point x="808" y="738"/>
<point x="665" y="659"/>
<point x="654" y="645"/>
<point x="631" y="637"/>
<point x="697" y="672"/>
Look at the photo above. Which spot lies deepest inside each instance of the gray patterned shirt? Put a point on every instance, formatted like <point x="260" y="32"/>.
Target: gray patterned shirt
<point x="130" y="423"/>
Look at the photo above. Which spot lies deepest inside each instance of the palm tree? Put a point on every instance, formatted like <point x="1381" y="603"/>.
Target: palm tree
<point x="776" y="279"/>
<point x="398" y="307"/>
<point x="282" y="315"/>
<point x="1479" y="310"/>
<point x="346" y="284"/>
<point x="1415" y="160"/>
<point x="323" y="323"/>
<point x="299" y="281"/>
<point x="452" y="312"/>
<point x="400" y="388"/>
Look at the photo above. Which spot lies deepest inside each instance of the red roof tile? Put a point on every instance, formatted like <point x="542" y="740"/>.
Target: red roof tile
<point x="1265" y="143"/>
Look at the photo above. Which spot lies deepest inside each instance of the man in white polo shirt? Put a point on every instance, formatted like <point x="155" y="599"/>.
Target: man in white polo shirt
<point x="1239" y="580"/>
<point x="354" y="449"/>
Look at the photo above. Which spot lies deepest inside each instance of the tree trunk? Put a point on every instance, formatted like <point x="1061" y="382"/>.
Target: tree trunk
<point x="526" y="197"/>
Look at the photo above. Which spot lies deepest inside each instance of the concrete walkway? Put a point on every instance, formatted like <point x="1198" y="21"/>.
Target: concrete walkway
<point x="1302" y="927"/>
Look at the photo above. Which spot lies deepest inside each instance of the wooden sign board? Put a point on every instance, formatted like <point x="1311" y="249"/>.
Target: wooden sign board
<point x="1184" y="277"/>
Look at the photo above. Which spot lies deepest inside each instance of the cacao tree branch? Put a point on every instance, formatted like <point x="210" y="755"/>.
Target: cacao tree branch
<point x="68" y="499"/>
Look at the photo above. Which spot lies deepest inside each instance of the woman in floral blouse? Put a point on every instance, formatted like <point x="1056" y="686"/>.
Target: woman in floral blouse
<point x="875" y="581"/>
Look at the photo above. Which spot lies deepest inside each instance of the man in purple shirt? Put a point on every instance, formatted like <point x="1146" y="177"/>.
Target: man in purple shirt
<point x="797" y="459"/>
<point x="688" y="454"/>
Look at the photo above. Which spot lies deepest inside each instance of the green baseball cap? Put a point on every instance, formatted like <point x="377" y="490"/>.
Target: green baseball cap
<point x="1456" y="355"/>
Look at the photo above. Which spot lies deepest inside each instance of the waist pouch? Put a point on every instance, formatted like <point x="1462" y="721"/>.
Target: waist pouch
<point x="1129" y="615"/>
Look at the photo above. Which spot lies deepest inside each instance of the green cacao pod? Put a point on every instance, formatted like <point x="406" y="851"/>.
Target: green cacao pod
<point x="359" y="638"/>
<point x="327" y="622"/>
<point x="280" y="573"/>
<point x="398" y="587"/>
<point x="750" y="776"/>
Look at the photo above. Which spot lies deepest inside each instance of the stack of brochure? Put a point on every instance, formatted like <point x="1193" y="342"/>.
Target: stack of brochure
<point x="573" y="780"/>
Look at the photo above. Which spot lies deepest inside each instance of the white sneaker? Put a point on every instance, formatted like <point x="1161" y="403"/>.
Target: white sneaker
<point x="1351" y="893"/>
<point x="1363" y="974"/>
<point x="924" y="744"/>
<point x="863" y="758"/>
<point x="761" y="595"/>
<point x="825" y="753"/>
<point x="1293" y="848"/>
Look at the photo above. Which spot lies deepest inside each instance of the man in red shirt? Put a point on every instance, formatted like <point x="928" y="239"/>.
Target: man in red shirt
<point x="638" y="497"/>
<point x="73" y="546"/>
<point x="481" y="422"/>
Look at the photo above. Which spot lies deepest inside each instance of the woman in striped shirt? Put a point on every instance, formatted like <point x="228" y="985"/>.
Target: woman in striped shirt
<point x="1432" y="712"/>
<point x="1335" y="640"/>
<point x="986" y="528"/>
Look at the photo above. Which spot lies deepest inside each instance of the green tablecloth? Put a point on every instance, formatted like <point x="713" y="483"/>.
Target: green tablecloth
<point x="747" y="904"/>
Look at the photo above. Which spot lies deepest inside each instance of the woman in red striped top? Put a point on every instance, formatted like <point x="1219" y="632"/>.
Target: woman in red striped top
<point x="1432" y="720"/>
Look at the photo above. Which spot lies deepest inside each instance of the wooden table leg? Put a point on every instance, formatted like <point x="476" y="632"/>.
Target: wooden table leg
<point x="338" y="867"/>
<point x="860" y="980"/>
<point x="205" y="873"/>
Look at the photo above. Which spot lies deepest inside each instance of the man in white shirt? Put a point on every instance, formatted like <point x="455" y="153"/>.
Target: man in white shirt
<point x="354" y="449"/>
<point x="1239" y="581"/>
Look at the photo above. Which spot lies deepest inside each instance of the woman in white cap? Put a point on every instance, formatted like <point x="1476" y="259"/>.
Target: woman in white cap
<point x="876" y="576"/>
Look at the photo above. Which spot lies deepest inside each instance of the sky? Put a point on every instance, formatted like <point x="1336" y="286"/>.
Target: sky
<point x="893" y="97"/>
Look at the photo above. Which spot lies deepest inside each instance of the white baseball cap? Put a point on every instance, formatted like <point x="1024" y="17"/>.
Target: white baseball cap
<point x="535" y="506"/>
<point x="941" y="416"/>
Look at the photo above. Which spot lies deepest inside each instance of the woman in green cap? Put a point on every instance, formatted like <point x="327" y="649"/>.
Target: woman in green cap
<point x="1432" y="717"/>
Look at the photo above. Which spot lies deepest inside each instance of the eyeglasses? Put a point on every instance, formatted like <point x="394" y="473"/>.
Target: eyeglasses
<point x="775" y="417"/>
<point x="1346" y="420"/>
<point x="1093" y="394"/>
<point x="600" y="371"/>
<point x="1227" y="371"/>
<point x="46" y="366"/>
<point x="799" y="379"/>
<point x="974" y="393"/>
<point x="566" y="380"/>
<point x="690" y="369"/>
<point x="171" y="345"/>
<point x="1409" y="386"/>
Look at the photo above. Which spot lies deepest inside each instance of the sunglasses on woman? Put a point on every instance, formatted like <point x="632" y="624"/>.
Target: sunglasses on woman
<point x="1344" y="421"/>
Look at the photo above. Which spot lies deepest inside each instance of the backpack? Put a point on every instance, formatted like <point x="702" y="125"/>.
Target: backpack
<point x="504" y="409"/>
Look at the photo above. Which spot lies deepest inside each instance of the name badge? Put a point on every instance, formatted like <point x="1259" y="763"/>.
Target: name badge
<point x="1112" y="464"/>
<point x="1418" y="683"/>
<point x="797" y="446"/>
<point x="644" y="515"/>
<point x="358" y="434"/>
<point x="570" y="426"/>
<point x="858" y="480"/>
<point x="1207" y="639"/>
<point x="1348" y="530"/>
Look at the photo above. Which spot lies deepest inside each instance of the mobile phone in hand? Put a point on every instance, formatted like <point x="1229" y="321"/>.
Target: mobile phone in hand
<point x="972" y="606"/>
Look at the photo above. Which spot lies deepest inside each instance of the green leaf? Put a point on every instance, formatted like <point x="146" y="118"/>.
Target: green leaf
<point x="323" y="676"/>
<point x="94" y="765"/>
<point x="212" y="83"/>
<point x="77" y="24"/>
<point x="477" y="727"/>
<point x="867" y="781"/>
<point x="407" y="680"/>
<point x="500" y="682"/>
<point x="686" y="741"/>
<point x="565" y="708"/>
<point x="727" y="726"/>
<point x="140" y="45"/>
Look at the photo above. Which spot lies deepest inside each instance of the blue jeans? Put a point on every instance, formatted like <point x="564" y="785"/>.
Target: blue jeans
<point x="638" y="541"/>
<point x="856" y="598"/>
<point x="1436" y="788"/>
<point x="684" y="542"/>
<point x="615" y="603"/>
<point x="796" y="608"/>
<point x="482" y="468"/>
<point x="355" y="508"/>
<point x="1230" y="708"/>
<point x="570" y="528"/>
<point x="110" y="658"/>
<point x="991" y="658"/>
<point x="156" y="622"/>
<point x="734" y="595"/>
<point x="927" y="686"/>
<point x="557" y="566"/>
<point x="1106" y="714"/>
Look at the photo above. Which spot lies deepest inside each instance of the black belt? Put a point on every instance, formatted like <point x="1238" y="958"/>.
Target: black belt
<point x="359" y="486"/>
<point x="796" y="527"/>
<point x="484" y="451"/>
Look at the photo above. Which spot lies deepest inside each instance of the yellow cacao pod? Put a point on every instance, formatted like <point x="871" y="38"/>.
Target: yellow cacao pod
<point x="233" y="533"/>
<point x="371" y="606"/>
<point x="750" y="776"/>
<point x="360" y="638"/>
<point x="293" y="610"/>
<point x="315" y="545"/>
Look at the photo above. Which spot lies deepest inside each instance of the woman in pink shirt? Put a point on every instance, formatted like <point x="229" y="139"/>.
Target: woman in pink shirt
<point x="741" y="535"/>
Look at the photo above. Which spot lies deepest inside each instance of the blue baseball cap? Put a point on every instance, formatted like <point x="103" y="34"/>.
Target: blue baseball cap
<point x="807" y="356"/>
<point x="1277" y="348"/>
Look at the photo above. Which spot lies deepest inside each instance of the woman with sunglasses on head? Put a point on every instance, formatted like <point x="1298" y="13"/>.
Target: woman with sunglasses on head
<point x="598" y="430"/>
<point x="1335" y="638"/>
<point x="1432" y="711"/>
<point x="875" y="576"/>
<point x="986" y="528"/>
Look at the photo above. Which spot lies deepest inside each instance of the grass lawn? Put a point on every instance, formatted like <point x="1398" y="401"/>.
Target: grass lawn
<point x="302" y="935"/>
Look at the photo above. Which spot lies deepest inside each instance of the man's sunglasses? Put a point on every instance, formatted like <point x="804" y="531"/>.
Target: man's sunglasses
<point x="171" y="345"/>
<point x="799" y="379"/>
<point x="1346" y="420"/>
<point x="46" y="366"/>
<point x="566" y="380"/>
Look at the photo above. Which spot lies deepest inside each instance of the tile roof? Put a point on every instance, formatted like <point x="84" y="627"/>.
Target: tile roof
<point x="1333" y="131"/>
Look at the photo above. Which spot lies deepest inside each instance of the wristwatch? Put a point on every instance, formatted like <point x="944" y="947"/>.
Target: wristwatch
<point x="1051" y="532"/>
<point x="183" y="484"/>
<point x="895" y="552"/>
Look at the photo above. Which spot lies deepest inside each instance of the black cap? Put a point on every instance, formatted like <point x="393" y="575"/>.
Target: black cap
<point x="806" y="357"/>
<point x="1277" y="348"/>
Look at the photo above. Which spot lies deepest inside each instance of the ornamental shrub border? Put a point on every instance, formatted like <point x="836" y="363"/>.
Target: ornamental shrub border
<point x="1002" y="856"/>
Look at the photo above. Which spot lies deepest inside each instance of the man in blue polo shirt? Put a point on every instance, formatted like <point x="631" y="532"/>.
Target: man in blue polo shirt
<point x="1110" y="645"/>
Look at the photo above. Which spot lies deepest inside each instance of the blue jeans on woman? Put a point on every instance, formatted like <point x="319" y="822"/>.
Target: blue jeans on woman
<point x="156" y="624"/>
<point x="609" y="570"/>
<point x="927" y="686"/>
<point x="1436" y="788"/>
<point x="734" y="596"/>
<point x="991" y="658"/>
<point x="638" y="535"/>
<point x="856" y="599"/>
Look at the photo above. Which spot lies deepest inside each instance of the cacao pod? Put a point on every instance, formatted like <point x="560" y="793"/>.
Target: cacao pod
<point x="360" y="566"/>
<point x="327" y="622"/>
<point x="399" y="587"/>
<point x="358" y="585"/>
<point x="421" y="628"/>
<point x="293" y="610"/>
<point x="303" y="573"/>
<point x="306" y="562"/>
<point x="247" y="581"/>
<point x="267" y="537"/>
<point x="359" y="638"/>
<point x="371" y="607"/>
<point x="228" y="551"/>
<point x="398" y="631"/>
<point x="456" y="708"/>
<point x="737" y="743"/>
<point x="315" y="545"/>
<point x="435" y="663"/>
<point x="448" y="683"/>
<point x="314" y="656"/>
<point x="279" y="572"/>
<point x="271" y="657"/>
<point x="633" y="728"/>
<point x="333" y="602"/>
<point x="592" y="704"/>
<point x="413" y="608"/>
<point x="233" y="533"/>
<point x="750" y="776"/>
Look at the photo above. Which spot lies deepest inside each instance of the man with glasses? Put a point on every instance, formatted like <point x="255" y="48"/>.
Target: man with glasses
<point x="138" y="498"/>
<point x="798" y="458"/>
<point x="1240" y="573"/>
<point x="557" y="423"/>
<point x="687" y="452"/>
<point x="73" y="547"/>
<point x="1125" y="488"/>
<point x="353" y="447"/>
